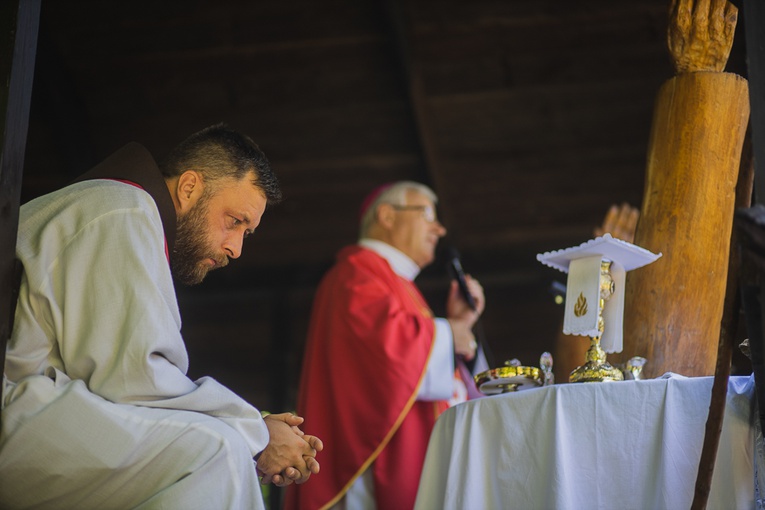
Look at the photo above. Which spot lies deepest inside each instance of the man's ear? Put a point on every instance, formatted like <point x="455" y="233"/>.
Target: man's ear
<point x="188" y="189"/>
<point x="386" y="215"/>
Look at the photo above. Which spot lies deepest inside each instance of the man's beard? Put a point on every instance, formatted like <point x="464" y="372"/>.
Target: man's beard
<point x="192" y="245"/>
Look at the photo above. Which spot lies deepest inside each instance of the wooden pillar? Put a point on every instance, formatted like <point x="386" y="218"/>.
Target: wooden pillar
<point x="19" y="21"/>
<point x="674" y="306"/>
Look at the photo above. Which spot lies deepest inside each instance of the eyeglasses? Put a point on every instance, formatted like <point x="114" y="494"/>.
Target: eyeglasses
<point x="428" y="213"/>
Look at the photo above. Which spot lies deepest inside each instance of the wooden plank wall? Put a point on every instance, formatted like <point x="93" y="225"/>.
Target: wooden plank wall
<point x="539" y="112"/>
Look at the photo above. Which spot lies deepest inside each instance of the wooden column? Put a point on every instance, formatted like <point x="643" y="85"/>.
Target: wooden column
<point x="673" y="307"/>
<point x="19" y="21"/>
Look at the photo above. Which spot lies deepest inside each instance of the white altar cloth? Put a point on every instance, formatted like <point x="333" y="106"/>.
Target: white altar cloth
<point x="626" y="445"/>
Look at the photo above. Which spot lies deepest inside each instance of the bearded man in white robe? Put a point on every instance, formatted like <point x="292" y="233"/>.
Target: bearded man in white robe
<point x="97" y="410"/>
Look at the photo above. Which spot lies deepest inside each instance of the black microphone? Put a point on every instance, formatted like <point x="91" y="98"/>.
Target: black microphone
<point x="455" y="267"/>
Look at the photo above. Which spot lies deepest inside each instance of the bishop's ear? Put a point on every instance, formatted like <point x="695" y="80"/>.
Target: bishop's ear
<point x="386" y="215"/>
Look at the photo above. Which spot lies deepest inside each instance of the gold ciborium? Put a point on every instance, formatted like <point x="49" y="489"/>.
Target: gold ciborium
<point x="515" y="377"/>
<point x="596" y="368"/>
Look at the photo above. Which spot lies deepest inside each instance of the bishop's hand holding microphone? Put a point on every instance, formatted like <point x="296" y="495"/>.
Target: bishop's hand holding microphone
<point x="463" y="308"/>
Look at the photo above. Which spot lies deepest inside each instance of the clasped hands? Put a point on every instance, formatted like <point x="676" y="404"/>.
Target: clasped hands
<point x="290" y="455"/>
<point x="462" y="318"/>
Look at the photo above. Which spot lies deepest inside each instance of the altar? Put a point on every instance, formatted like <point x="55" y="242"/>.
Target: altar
<point x="627" y="445"/>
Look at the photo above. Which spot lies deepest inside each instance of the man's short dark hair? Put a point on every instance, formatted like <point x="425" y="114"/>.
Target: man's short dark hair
<point x="219" y="152"/>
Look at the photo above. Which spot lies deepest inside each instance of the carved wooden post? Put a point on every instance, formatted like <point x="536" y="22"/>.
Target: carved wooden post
<point x="673" y="307"/>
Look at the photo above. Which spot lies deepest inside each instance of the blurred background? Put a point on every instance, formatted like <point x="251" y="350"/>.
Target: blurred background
<point x="528" y="118"/>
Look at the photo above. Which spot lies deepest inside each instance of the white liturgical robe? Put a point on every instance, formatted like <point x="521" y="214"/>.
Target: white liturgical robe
<point x="97" y="409"/>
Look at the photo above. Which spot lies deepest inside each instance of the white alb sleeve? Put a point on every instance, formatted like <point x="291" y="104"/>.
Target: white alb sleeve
<point x="438" y="383"/>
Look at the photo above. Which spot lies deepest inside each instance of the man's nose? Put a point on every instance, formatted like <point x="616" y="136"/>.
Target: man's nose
<point x="233" y="246"/>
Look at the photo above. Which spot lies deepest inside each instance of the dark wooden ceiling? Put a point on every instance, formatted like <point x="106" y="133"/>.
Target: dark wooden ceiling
<point x="529" y="118"/>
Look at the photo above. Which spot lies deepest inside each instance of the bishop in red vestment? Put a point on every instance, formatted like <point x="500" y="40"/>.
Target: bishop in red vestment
<point x="378" y="367"/>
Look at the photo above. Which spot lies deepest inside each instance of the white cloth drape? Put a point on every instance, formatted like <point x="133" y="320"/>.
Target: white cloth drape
<point x="627" y="445"/>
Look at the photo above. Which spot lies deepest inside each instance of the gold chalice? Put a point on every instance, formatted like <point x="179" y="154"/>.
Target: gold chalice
<point x="596" y="368"/>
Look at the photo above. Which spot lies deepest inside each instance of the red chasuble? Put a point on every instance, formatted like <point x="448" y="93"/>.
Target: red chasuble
<point x="369" y="341"/>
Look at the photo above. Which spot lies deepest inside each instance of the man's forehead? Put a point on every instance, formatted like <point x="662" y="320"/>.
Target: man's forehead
<point x="415" y="196"/>
<point x="245" y="185"/>
<point x="241" y="194"/>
